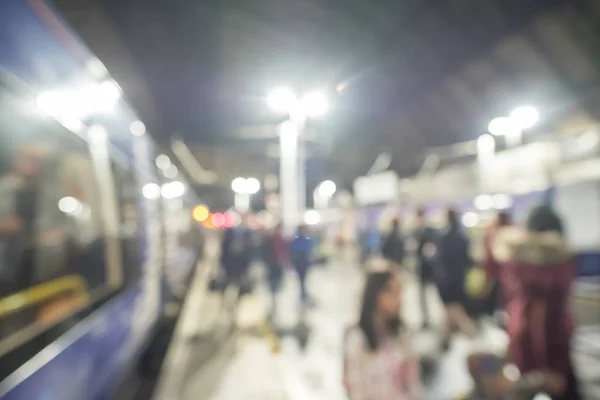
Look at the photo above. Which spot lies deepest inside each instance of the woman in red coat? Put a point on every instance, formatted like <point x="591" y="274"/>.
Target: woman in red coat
<point x="535" y="270"/>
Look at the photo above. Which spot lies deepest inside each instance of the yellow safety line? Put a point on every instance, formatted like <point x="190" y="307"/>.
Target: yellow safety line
<point x="268" y="333"/>
<point x="39" y="293"/>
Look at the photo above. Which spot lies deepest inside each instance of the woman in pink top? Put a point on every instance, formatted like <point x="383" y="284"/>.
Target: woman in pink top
<point x="379" y="362"/>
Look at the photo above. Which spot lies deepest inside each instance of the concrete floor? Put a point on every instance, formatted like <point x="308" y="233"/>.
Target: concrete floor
<point x="218" y="365"/>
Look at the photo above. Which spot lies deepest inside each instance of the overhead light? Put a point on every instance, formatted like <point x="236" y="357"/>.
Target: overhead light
<point x="501" y="201"/>
<point x="503" y="126"/>
<point x="524" y="117"/>
<point x="151" y="191"/>
<point x="327" y="188"/>
<point x="315" y="104"/>
<point x="484" y="202"/>
<point x="470" y="219"/>
<point x="163" y="161"/>
<point x="312" y="217"/>
<point x="238" y="185"/>
<point x="69" y="205"/>
<point x="172" y="190"/>
<point x="281" y="100"/>
<point x="171" y="172"/>
<point x="252" y="185"/>
<point x="137" y="128"/>
<point x="100" y="98"/>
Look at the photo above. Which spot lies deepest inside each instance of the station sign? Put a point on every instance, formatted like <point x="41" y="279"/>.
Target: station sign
<point x="376" y="189"/>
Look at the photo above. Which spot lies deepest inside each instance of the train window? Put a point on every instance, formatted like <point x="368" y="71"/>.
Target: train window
<point x="127" y="190"/>
<point x="52" y="247"/>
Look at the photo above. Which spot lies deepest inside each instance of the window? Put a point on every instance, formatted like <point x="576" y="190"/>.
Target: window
<point x="52" y="245"/>
<point x="127" y="190"/>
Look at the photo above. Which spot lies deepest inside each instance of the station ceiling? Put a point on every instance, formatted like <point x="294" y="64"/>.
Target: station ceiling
<point x="414" y="73"/>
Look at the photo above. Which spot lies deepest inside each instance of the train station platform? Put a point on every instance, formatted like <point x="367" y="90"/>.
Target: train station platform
<point x="210" y="360"/>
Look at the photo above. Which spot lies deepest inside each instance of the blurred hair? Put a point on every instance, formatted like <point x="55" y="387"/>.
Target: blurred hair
<point x="421" y="213"/>
<point x="376" y="283"/>
<point x="452" y="217"/>
<point x="542" y="218"/>
<point x="504" y="218"/>
<point x="395" y="223"/>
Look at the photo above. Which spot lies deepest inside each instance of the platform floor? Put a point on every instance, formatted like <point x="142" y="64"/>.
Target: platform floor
<point x="213" y="363"/>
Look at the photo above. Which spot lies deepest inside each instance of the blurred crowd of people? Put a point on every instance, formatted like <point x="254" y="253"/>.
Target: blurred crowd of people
<point x="532" y="269"/>
<point x="526" y="271"/>
<point x="240" y="246"/>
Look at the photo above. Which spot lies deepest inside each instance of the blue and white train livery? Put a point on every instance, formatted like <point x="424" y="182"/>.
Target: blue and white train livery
<point x="82" y="217"/>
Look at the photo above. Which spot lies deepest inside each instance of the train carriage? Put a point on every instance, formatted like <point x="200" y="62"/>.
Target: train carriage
<point x="86" y="259"/>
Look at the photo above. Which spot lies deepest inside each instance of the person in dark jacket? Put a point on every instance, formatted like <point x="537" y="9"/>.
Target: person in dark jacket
<point x="425" y="237"/>
<point x="453" y="263"/>
<point x="236" y="253"/>
<point x="300" y="255"/>
<point x="393" y="245"/>
<point x="535" y="269"/>
<point x="275" y="257"/>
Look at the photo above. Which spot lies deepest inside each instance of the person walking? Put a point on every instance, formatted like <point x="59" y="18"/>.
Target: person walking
<point x="300" y="250"/>
<point x="492" y="292"/>
<point x="453" y="261"/>
<point x="379" y="361"/>
<point x="236" y="254"/>
<point x="425" y="237"/>
<point x="275" y="257"/>
<point x="393" y="245"/>
<point x="535" y="269"/>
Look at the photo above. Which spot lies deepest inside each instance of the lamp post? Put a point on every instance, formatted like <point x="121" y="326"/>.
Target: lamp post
<point x="292" y="175"/>
<point x="323" y="193"/>
<point x="243" y="189"/>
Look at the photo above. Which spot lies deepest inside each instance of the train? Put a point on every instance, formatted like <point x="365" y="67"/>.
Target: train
<point x="95" y="237"/>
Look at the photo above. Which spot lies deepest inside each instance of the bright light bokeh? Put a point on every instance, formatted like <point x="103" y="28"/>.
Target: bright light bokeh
<point x="470" y="219"/>
<point x="327" y="188"/>
<point x="312" y="217"/>
<point x="172" y="190"/>
<point x="484" y="202"/>
<point x="503" y="126"/>
<point x="486" y="144"/>
<point x="73" y="124"/>
<point x="238" y="185"/>
<point x="281" y="100"/>
<point x="501" y="201"/>
<point x="137" y="128"/>
<point x="59" y="104"/>
<point x="218" y="220"/>
<point x="99" y="98"/>
<point x="230" y="220"/>
<point x="97" y="132"/>
<point x="315" y="104"/>
<point x="245" y="186"/>
<point x="95" y="98"/>
<point x="69" y="205"/>
<point x="171" y="172"/>
<point x="163" y="161"/>
<point x="252" y="185"/>
<point x="524" y="117"/>
<point x="200" y="213"/>
<point x="151" y="191"/>
<point x="208" y="222"/>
